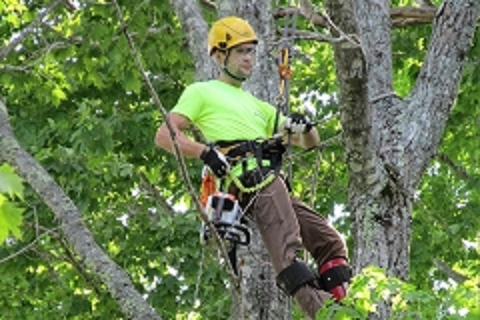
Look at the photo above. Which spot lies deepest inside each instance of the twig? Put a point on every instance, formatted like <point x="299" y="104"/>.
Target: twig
<point x="151" y="190"/>
<point x="210" y="4"/>
<point x="70" y="257"/>
<point x="342" y="34"/>
<point x="28" y="246"/>
<point x="452" y="274"/>
<point x="308" y="35"/>
<point x="324" y="144"/>
<point x="459" y="171"/>
<point x="79" y="265"/>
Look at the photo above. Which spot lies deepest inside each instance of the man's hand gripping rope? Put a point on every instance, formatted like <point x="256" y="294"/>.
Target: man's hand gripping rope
<point x="298" y="123"/>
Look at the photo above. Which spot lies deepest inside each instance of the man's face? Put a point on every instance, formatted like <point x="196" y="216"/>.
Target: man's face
<point x="241" y="59"/>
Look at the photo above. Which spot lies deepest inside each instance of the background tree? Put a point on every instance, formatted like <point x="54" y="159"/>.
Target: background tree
<point x="102" y="228"/>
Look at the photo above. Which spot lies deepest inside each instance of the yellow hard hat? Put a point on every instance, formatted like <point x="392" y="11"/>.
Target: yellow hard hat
<point x="229" y="32"/>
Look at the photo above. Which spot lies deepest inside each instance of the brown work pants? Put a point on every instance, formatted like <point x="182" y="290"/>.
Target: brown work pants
<point x="286" y="225"/>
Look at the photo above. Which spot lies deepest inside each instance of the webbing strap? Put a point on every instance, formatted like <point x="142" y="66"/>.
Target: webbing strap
<point x="248" y="155"/>
<point x="294" y="277"/>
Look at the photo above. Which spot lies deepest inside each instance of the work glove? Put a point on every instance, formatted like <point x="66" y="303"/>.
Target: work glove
<point x="298" y="123"/>
<point x="216" y="161"/>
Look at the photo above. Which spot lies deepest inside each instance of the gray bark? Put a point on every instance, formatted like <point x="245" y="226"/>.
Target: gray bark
<point x="389" y="142"/>
<point x="74" y="229"/>
<point x="196" y="30"/>
<point x="434" y="93"/>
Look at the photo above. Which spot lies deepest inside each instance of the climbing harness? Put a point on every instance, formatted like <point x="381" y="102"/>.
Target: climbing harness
<point x="254" y="165"/>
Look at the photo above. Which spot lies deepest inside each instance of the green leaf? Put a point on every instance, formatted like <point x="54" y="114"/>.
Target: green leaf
<point x="10" y="182"/>
<point x="10" y="219"/>
<point x="132" y="82"/>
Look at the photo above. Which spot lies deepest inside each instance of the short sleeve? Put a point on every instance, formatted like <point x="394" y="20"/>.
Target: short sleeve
<point x="272" y="115"/>
<point x="189" y="104"/>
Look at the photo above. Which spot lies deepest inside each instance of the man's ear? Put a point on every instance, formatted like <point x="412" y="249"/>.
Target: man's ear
<point x="219" y="57"/>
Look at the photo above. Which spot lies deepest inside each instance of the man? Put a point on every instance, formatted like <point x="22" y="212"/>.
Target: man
<point x="235" y="122"/>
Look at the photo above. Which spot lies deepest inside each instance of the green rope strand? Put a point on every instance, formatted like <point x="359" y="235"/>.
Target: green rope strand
<point x="236" y="181"/>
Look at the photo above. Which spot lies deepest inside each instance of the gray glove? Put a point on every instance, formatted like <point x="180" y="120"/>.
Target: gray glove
<point x="298" y="123"/>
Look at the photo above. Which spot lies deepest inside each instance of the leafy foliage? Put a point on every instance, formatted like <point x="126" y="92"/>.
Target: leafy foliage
<point x="78" y="104"/>
<point x="10" y="214"/>
<point x="372" y="286"/>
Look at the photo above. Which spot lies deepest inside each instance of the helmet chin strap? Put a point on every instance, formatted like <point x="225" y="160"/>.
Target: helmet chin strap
<point x="227" y="72"/>
<point x="231" y="75"/>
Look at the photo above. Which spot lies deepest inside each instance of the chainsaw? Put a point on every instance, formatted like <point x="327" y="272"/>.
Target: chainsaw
<point x="225" y="213"/>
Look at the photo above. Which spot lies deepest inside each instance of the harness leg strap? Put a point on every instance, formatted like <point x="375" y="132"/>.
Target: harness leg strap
<point x="293" y="277"/>
<point x="334" y="277"/>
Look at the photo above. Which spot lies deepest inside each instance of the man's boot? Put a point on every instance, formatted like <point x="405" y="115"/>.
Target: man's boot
<point x="311" y="299"/>
<point x="299" y="281"/>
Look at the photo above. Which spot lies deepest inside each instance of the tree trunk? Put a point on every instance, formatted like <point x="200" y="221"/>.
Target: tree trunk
<point x="389" y="142"/>
<point x="386" y="154"/>
<point x="258" y="296"/>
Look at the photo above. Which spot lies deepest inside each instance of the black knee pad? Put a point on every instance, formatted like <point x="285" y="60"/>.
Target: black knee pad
<point x="293" y="277"/>
<point x="334" y="273"/>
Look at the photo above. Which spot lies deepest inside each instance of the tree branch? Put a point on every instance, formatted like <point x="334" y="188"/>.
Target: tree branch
<point x="315" y="36"/>
<point x="119" y="285"/>
<point x="196" y="30"/>
<point x="412" y="15"/>
<point x="459" y="170"/>
<point x="401" y="17"/>
<point x="79" y="265"/>
<point x="452" y="274"/>
<point x="29" y="29"/>
<point x="69" y="255"/>
<point x="437" y="84"/>
<point x="28" y="246"/>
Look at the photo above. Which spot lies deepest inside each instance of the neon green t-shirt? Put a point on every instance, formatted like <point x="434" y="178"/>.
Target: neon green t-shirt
<point x="224" y="112"/>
